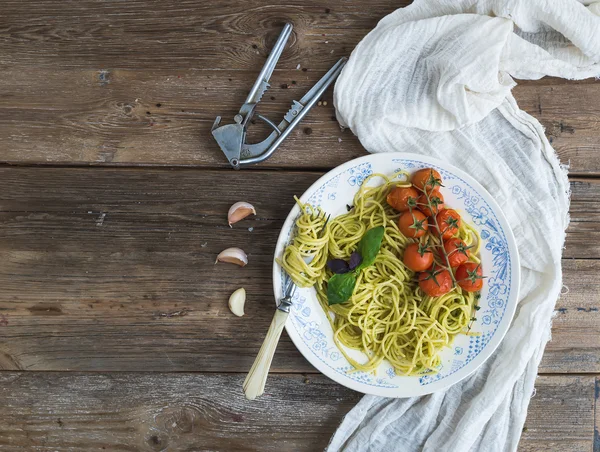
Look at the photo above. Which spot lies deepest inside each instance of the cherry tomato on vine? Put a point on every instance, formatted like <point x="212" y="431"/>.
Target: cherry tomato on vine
<point x="457" y="252"/>
<point x="470" y="276"/>
<point x="436" y="200"/>
<point x="399" y="198"/>
<point x="448" y="221"/>
<point x="413" y="224"/>
<point x="436" y="281"/>
<point x="426" y="179"/>
<point x="418" y="257"/>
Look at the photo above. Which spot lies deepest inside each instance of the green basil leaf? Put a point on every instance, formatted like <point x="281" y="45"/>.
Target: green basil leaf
<point x="340" y="288"/>
<point x="369" y="245"/>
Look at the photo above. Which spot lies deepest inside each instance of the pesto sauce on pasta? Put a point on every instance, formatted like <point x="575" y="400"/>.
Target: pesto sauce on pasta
<point x="388" y="317"/>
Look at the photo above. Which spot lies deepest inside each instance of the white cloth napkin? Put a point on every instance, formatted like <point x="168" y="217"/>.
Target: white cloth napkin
<point x="436" y="78"/>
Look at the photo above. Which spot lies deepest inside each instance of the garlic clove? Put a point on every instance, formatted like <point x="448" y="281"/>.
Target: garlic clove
<point x="233" y="256"/>
<point x="237" y="301"/>
<point x="239" y="211"/>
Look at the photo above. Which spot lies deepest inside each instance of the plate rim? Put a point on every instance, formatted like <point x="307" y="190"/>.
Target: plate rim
<point x="479" y="360"/>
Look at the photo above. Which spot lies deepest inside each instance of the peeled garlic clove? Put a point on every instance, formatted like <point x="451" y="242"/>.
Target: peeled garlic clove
<point x="233" y="256"/>
<point x="239" y="211"/>
<point x="237" y="301"/>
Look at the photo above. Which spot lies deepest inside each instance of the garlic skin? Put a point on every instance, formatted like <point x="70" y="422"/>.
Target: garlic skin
<point x="233" y="256"/>
<point x="237" y="301"/>
<point x="239" y="211"/>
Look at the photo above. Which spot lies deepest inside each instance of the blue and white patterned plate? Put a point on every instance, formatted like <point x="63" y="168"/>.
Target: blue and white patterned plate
<point x="308" y="326"/>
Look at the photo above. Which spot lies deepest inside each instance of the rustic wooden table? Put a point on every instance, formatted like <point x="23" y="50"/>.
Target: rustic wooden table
<point x="114" y="327"/>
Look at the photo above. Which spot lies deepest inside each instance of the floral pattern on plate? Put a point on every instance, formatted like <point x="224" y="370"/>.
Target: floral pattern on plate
<point x="311" y="326"/>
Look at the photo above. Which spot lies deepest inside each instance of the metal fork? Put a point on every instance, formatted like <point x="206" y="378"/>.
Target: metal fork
<point x="254" y="384"/>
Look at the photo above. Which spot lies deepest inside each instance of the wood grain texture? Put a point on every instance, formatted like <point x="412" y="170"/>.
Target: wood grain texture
<point x="188" y="35"/>
<point x="103" y="66"/>
<point x="188" y="199"/>
<point x="166" y="412"/>
<point x="571" y="401"/>
<point x="571" y="118"/>
<point x="174" y="412"/>
<point x="583" y="236"/>
<point x="156" y="118"/>
<point x="596" y="446"/>
<point x="102" y="83"/>
<point x="127" y="117"/>
<point x="113" y="270"/>
<point x="575" y="344"/>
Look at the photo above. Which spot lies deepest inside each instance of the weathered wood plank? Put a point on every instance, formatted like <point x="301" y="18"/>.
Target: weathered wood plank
<point x="94" y="294"/>
<point x="156" y="117"/>
<point x="91" y="109"/>
<point x="189" y="35"/>
<point x="105" y="83"/>
<point x="560" y="401"/>
<point x="126" y="412"/>
<point x="129" y="411"/>
<point x="571" y="119"/>
<point x="583" y="236"/>
<point x="108" y="269"/>
<point x="596" y="446"/>
<point x="188" y="199"/>
<point x="163" y="117"/>
<point x="575" y="344"/>
<point x="114" y="270"/>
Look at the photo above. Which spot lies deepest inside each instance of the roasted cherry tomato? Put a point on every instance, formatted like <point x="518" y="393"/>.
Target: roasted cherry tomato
<point x="469" y="276"/>
<point x="426" y="179"/>
<point x="436" y="281"/>
<point x="457" y="251"/>
<point x="418" y="257"/>
<point x="413" y="224"/>
<point x="435" y="199"/>
<point x="399" y="198"/>
<point x="448" y="221"/>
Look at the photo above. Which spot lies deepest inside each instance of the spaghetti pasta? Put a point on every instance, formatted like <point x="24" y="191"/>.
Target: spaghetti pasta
<point x="388" y="317"/>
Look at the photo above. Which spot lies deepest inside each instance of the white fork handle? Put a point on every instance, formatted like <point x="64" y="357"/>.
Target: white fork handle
<point x="254" y="384"/>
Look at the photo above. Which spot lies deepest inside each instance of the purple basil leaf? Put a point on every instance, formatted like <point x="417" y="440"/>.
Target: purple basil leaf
<point x="355" y="260"/>
<point x="338" y="266"/>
